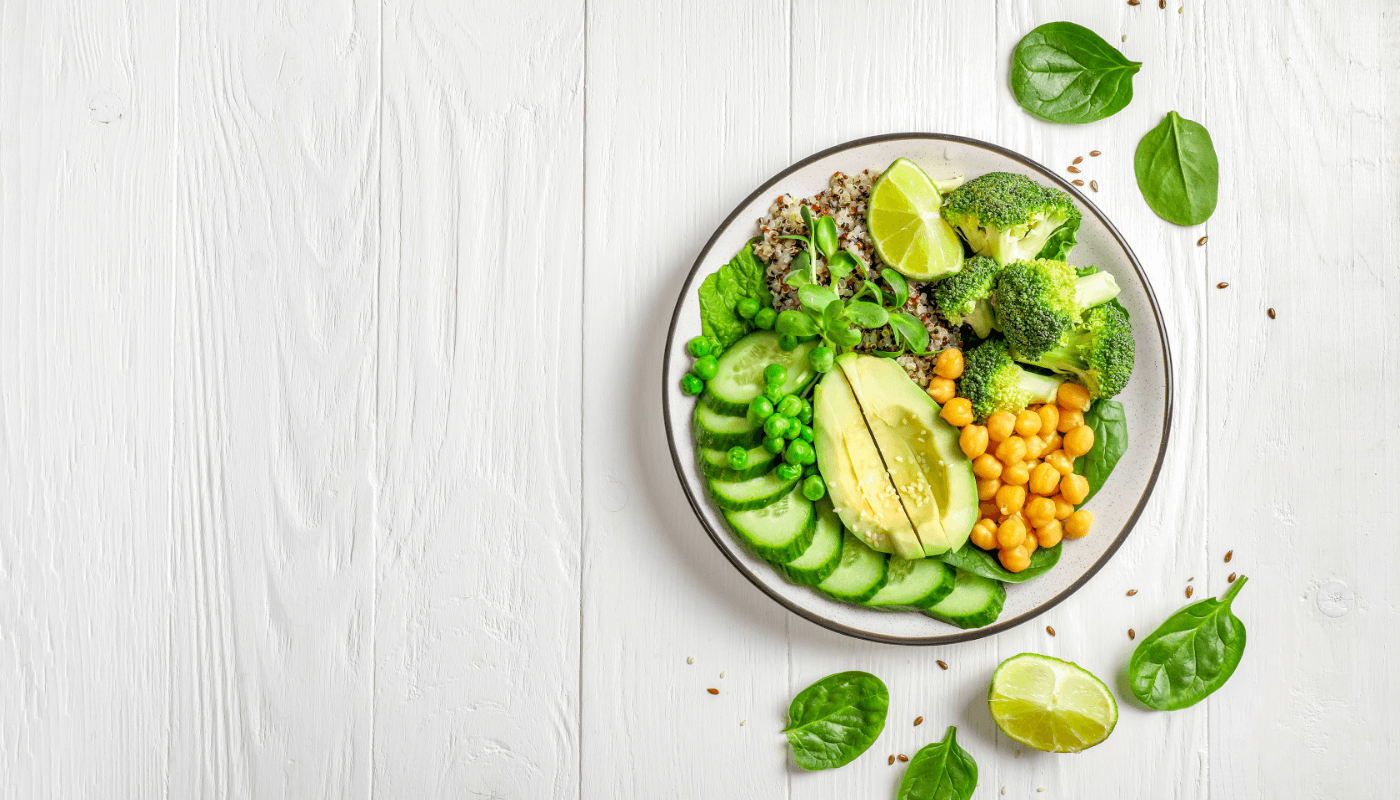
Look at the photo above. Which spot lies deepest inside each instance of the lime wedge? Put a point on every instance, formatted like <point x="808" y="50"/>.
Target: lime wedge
<point x="909" y="233"/>
<point x="1051" y="705"/>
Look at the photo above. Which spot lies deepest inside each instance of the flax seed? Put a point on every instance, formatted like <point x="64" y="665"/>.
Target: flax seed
<point x="1229" y="556"/>
<point x="712" y="691"/>
<point x="1132" y="634"/>
<point x="1221" y="285"/>
<point x="1231" y="579"/>
<point x="1094" y="185"/>
<point x="1077" y="159"/>
<point x="1272" y="315"/>
<point x="903" y="757"/>
<point x="1095" y="153"/>
<point x="1201" y="241"/>
<point x="1077" y="182"/>
<point x="1049" y="630"/>
<point x="1189" y="592"/>
<point x="1132" y="592"/>
<point x="1075" y="170"/>
<point x="891" y="760"/>
<point x="942" y="664"/>
<point x="918" y="721"/>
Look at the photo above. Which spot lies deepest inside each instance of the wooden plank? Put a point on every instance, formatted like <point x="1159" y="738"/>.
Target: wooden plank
<point x="1300" y="418"/>
<point x="687" y="113"/>
<point x="87" y="110"/>
<point x="273" y="482"/>
<point x="478" y="401"/>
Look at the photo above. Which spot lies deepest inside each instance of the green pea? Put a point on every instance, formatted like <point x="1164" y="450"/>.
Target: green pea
<point x="747" y="308"/>
<point x="776" y="425"/>
<point x="789" y="472"/>
<point x="774" y="444"/>
<point x="788" y="342"/>
<point x="760" y="408"/>
<point x="791" y="456"/>
<point x="814" y="488"/>
<point x="805" y="415"/>
<point x="692" y="385"/>
<point x="706" y="367"/>
<point x="821" y="358"/>
<point x="738" y="457"/>
<point x="789" y="406"/>
<point x="810" y="469"/>
<point x="774" y="392"/>
<point x="800" y="452"/>
<point x="765" y="319"/>
<point x="775" y="373"/>
<point x="807" y="433"/>
<point x="794" y="429"/>
<point x="698" y="347"/>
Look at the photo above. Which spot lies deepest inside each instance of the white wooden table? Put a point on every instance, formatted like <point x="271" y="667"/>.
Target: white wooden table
<point x="331" y="459"/>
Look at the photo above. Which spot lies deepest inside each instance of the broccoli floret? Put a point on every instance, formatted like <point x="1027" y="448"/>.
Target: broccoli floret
<point x="993" y="382"/>
<point x="1038" y="302"/>
<point x="1006" y="216"/>
<point x="964" y="296"/>
<point x="1099" y="352"/>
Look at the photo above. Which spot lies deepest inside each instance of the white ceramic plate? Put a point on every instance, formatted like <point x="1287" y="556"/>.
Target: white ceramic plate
<point x="1146" y="401"/>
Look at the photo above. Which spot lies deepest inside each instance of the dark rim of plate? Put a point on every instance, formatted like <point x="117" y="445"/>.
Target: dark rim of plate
<point x="977" y="633"/>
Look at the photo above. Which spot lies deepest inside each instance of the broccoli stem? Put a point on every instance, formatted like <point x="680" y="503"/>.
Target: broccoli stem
<point x="1042" y="388"/>
<point x="981" y="319"/>
<point x="1095" y="289"/>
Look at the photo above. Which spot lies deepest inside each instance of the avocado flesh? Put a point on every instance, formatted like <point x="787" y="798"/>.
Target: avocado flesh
<point x="934" y="477"/>
<point x="860" y="489"/>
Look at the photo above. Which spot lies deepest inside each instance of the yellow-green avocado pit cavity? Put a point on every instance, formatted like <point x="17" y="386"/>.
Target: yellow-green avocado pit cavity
<point x="932" y="475"/>
<point x="860" y="489"/>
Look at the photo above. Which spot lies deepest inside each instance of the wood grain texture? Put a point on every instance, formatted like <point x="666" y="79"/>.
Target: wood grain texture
<point x="476" y="646"/>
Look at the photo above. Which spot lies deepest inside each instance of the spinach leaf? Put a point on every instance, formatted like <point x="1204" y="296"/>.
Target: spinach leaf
<point x="1059" y="244"/>
<point x="743" y="277"/>
<point x="940" y="771"/>
<point x="971" y="558"/>
<point x="1177" y="171"/>
<point x="910" y="330"/>
<point x="1067" y="73"/>
<point x="1110" y="426"/>
<point x="1191" y="655"/>
<point x="836" y="719"/>
<point x="867" y="315"/>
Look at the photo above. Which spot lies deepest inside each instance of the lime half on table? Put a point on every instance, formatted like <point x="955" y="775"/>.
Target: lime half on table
<point x="904" y="221"/>
<point x="1051" y="705"/>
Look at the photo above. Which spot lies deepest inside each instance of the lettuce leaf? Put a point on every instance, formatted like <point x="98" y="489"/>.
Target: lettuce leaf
<point x="721" y="291"/>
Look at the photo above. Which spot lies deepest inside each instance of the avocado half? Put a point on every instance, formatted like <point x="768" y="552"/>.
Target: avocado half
<point x="906" y="453"/>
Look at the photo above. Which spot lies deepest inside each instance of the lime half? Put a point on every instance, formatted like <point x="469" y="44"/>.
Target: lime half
<point x="906" y="226"/>
<point x="1051" y="705"/>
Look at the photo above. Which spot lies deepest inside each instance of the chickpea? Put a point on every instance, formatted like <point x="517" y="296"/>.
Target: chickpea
<point x="1049" y="416"/>
<point x="989" y="510"/>
<point x="986" y="467"/>
<point x="1045" y="479"/>
<point x="942" y="390"/>
<point x="1000" y="426"/>
<point x="987" y="489"/>
<point x="1031" y="544"/>
<point x="1079" y="441"/>
<point x="1063" y="507"/>
<point x="1011" y="533"/>
<point x="1011" y="450"/>
<point x="1070" y="418"/>
<point x="1027" y="423"/>
<point x="1035" y="447"/>
<point x="1040" y="511"/>
<point x="949" y="364"/>
<point x="1011" y="499"/>
<point x="957" y="412"/>
<point x="1077" y="526"/>
<point x="1072" y="395"/>
<point x="1016" y="475"/>
<point x="1050" y="534"/>
<point x="1061" y="462"/>
<point x="984" y="534"/>
<point x="973" y="440"/>
<point x="1074" y="487"/>
<point x="1053" y="442"/>
<point x="1015" y="560"/>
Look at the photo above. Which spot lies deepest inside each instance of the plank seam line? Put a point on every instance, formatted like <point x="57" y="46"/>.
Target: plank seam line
<point x="583" y="372"/>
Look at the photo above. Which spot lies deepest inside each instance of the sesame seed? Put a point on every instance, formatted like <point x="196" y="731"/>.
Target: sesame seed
<point x="690" y="660"/>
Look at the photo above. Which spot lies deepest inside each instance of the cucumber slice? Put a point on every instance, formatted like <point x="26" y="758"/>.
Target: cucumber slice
<point x="920" y="583"/>
<point x="715" y="464"/>
<point x="822" y="556"/>
<point x="975" y="601"/>
<point x="740" y="377"/>
<point x="779" y="531"/>
<point x="723" y="431"/>
<point x="861" y="573"/>
<point x="750" y="494"/>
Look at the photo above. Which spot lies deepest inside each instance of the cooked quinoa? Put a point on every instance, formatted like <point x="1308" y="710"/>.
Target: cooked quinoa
<point x="845" y="200"/>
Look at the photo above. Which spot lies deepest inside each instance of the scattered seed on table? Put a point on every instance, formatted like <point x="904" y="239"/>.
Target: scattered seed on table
<point x="1077" y="159"/>
<point x="1040" y="788"/>
<point x="943" y="664"/>
<point x="1189" y="592"/>
<point x="1162" y="4"/>
<point x="1003" y="790"/>
<point x="743" y="722"/>
<point x="1134" y="2"/>
<point x="903" y="757"/>
<point x="1132" y="592"/>
<point x="1125" y="37"/>
<point x="1132" y="634"/>
<point x="1094" y="185"/>
<point x="1221" y="285"/>
<point x="1095" y="153"/>
<point x="1181" y="10"/>
<point x="1192" y="578"/>
<point x="721" y="673"/>
<point x="712" y="691"/>
<point x="1049" y="630"/>
<point x="1272" y="315"/>
<point x="918" y="720"/>
<point x="891" y="760"/>
<point x="690" y="660"/>
<point x="1074" y="170"/>
<point x="1077" y="182"/>
<point x="1201" y="241"/>
<point x="1229" y="556"/>
<point x="1230" y="579"/>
